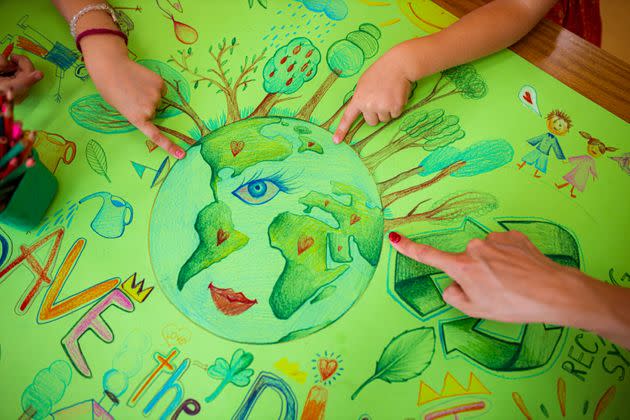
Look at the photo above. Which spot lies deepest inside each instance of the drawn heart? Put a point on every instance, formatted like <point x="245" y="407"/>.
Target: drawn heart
<point x="310" y="144"/>
<point x="174" y="335"/>
<point x="222" y="236"/>
<point x="237" y="147"/>
<point x="304" y="243"/>
<point x="339" y="248"/>
<point x="151" y="146"/>
<point x="528" y="97"/>
<point x="326" y="203"/>
<point x="353" y="219"/>
<point x="327" y="368"/>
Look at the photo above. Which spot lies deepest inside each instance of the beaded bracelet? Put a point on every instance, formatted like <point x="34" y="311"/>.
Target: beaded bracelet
<point x="99" y="31"/>
<point x="90" y="8"/>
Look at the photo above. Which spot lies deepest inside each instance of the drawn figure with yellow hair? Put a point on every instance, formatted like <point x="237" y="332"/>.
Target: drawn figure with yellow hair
<point x="585" y="164"/>
<point x="558" y="124"/>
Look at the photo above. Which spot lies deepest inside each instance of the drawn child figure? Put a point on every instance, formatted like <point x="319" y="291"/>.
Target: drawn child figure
<point x="558" y="124"/>
<point x="585" y="164"/>
<point x="63" y="57"/>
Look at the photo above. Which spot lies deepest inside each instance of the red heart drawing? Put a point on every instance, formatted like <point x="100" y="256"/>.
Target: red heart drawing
<point x="304" y="243"/>
<point x="151" y="146"/>
<point x="237" y="147"/>
<point x="353" y="219"/>
<point x="222" y="236"/>
<point x="310" y="144"/>
<point x="327" y="368"/>
<point x="326" y="203"/>
<point x="339" y="248"/>
<point x="528" y="97"/>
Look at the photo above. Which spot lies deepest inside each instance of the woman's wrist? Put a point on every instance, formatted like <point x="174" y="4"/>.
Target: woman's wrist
<point x="592" y="305"/>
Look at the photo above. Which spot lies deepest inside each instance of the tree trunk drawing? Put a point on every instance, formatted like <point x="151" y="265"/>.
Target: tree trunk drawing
<point x="308" y="108"/>
<point x="387" y="184"/>
<point x="389" y="199"/>
<point x="264" y="106"/>
<point x="334" y="116"/>
<point x="177" y="134"/>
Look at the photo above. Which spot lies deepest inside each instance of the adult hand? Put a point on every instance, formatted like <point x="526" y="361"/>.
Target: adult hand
<point x="18" y="75"/>
<point x="506" y="278"/>
<point x="381" y="93"/>
<point x="132" y="89"/>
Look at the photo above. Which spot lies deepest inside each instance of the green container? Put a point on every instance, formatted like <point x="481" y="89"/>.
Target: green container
<point x="31" y="199"/>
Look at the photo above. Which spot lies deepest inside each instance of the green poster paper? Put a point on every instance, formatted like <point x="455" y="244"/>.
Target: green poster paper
<point x="252" y="278"/>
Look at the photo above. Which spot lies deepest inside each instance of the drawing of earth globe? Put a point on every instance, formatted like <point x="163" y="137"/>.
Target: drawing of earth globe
<point x="266" y="231"/>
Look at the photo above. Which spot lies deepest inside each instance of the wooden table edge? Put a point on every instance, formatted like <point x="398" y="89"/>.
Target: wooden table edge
<point x="585" y="68"/>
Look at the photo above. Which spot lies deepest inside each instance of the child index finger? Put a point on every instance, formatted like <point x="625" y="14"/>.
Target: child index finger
<point x="155" y="135"/>
<point x="349" y="116"/>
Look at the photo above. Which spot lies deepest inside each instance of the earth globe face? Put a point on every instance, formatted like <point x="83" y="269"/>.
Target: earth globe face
<point x="266" y="231"/>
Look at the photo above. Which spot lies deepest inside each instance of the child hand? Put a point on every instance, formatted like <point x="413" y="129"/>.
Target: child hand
<point x="381" y="92"/>
<point x="132" y="89"/>
<point x="19" y="75"/>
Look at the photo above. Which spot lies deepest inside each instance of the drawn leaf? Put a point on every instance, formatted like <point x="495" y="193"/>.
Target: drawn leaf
<point x="172" y="76"/>
<point x="236" y="372"/>
<point x="93" y="113"/>
<point x="242" y="379"/>
<point x="220" y="369"/>
<point x="404" y="358"/>
<point x="263" y="3"/>
<point x="96" y="158"/>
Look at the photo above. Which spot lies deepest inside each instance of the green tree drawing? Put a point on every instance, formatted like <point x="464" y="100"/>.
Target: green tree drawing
<point x="345" y="58"/>
<point x="291" y="66"/>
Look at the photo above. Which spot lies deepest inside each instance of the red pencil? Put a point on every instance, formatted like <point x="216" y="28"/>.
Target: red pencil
<point x="7" y="113"/>
<point x="11" y="166"/>
<point x="8" y="50"/>
<point x="28" y="147"/>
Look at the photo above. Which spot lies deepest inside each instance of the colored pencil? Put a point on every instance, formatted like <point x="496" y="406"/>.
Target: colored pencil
<point x="15" y="150"/>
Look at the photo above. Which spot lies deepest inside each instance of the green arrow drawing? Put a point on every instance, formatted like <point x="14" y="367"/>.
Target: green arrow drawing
<point x="535" y="345"/>
<point x="533" y="351"/>
<point x="413" y="282"/>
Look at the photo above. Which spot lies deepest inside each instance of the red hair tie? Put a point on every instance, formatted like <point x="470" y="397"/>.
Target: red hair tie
<point x="98" y="31"/>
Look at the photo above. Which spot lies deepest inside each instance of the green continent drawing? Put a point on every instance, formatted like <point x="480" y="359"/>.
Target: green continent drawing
<point x="267" y="231"/>
<point x="217" y="240"/>
<point x="302" y="241"/>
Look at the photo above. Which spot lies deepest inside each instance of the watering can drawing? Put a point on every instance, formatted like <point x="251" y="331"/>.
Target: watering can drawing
<point x="54" y="148"/>
<point x="114" y="215"/>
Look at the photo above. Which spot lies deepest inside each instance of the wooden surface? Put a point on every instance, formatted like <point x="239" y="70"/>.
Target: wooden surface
<point x="585" y="68"/>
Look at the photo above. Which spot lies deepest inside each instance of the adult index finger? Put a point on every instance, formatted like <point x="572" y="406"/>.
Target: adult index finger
<point x="349" y="116"/>
<point x="425" y="254"/>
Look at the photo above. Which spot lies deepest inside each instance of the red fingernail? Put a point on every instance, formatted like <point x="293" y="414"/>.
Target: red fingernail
<point x="394" y="237"/>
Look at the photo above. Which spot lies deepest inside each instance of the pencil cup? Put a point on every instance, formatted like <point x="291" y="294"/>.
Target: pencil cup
<point x="31" y="198"/>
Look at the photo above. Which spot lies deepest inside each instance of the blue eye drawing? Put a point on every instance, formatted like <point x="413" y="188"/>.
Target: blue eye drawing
<point x="259" y="191"/>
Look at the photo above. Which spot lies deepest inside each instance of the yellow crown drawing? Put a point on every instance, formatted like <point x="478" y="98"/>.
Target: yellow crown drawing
<point x="134" y="290"/>
<point x="451" y="388"/>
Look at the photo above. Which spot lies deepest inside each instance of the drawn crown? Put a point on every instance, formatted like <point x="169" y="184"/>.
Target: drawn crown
<point x="451" y="388"/>
<point x="135" y="290"/>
